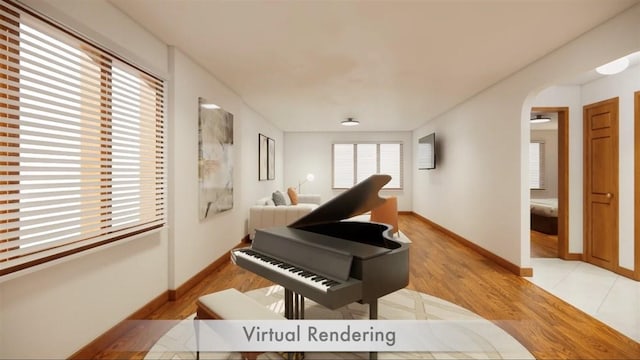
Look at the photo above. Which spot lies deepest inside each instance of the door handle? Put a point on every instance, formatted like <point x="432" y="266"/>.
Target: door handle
<point x="609" y="195"/>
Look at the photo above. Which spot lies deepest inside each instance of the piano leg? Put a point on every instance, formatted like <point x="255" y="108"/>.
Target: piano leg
<point x="373" y="315"/>
<point x="293" y="309"/>
<point x="293" y="305"/>
<point x="373" y="310"/>
<point x="288" y="306"/>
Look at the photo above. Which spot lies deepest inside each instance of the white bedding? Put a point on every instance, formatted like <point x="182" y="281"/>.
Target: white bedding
<point x="545" y="207"/>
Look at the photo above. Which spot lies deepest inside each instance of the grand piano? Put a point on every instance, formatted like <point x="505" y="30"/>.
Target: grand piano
<point x="328" y="260"/>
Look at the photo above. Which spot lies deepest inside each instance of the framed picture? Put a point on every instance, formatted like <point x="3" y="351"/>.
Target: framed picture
<point x="215" y="159"/>
<point x="271" y="159"/>
<point x="263" y="153"/>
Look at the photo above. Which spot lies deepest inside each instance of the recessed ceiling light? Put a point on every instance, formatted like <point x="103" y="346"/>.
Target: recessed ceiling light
<point x="540" y="119"/>
<point x="210" y="106"/>
<point x="613" y="67"/>
<point x="350" y="122"/>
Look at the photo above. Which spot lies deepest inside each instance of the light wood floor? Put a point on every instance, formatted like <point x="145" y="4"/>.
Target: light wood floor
<point x="543" y="245"/>
<point x="440" y="266"/>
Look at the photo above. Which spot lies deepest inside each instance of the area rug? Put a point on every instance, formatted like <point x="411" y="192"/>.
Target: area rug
<point x="401" y="305"/>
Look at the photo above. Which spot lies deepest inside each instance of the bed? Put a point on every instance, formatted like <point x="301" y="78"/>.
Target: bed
<point x="544" y="215"/>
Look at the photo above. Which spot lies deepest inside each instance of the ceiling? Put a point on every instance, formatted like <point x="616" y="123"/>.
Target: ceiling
<point x="392" y="65"/>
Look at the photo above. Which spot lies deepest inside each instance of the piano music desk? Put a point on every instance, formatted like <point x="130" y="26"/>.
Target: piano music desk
<point x="230" y="304"/>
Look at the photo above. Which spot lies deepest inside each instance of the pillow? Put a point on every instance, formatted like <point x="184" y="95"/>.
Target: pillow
<point x="278" y="198"/>
<point x="293" y="195"/>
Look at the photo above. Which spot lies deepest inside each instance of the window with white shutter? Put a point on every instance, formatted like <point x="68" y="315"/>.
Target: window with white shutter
<point x="354" y="162"/>
<point x="536" y="165"/>
<point x="81" y="143"/>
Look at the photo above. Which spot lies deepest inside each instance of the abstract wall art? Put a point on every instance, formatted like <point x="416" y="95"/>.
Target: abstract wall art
<point x="215" y="159"/>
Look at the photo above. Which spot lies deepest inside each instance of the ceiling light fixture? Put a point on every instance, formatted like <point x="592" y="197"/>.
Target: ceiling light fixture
<point x="540" y="119"/>
<point x="350" y="122"/>
<point x="614" y="67"/>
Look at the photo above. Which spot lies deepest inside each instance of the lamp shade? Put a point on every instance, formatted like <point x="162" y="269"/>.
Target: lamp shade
<point x="309" y="177"/>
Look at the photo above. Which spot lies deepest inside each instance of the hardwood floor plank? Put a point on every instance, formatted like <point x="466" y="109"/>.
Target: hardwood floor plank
<point x="543" y="245"/>
<point x="440" y="266"/>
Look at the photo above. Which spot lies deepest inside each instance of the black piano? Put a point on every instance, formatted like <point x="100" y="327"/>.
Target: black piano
<point x="328" y="260"/>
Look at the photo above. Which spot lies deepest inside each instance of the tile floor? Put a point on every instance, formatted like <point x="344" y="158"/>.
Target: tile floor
<point x="608" y="297"/>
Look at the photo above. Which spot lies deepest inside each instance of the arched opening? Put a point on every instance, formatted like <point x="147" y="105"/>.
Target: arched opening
<point x="579" y="282"/>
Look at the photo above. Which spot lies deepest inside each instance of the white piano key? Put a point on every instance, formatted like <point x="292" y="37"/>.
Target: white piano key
<point x="295" y="272"/>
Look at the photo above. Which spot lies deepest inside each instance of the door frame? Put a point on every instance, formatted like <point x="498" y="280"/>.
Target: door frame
<point x="636" y="126"/>
<point x="563" y="181"/>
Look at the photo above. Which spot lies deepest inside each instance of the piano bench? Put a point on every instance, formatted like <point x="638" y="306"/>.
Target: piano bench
<point x="231" y="304"/>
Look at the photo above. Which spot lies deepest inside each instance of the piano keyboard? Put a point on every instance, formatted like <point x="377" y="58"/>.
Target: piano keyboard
<point x="312" y="279"/>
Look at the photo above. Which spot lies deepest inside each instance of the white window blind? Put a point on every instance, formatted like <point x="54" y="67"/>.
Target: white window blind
<point x="391" y="164"/>
<point x="81" y="144"/>
<point x="354" y="162"/>
<point x="366" y="161"/>
<point x="536" y="165"/>
<point x="343" y="169"/>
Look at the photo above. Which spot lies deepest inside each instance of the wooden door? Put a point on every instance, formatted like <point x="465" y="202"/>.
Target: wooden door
<point x="601" y="183"/>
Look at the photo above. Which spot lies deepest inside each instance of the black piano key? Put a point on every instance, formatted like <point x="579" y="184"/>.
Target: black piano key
<point x="293" y="269"/>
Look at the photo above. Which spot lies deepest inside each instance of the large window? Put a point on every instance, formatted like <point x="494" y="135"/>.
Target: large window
<point x="353" y="163"/>
<point x="81" y="144"/>
<point x="536" y="165"/>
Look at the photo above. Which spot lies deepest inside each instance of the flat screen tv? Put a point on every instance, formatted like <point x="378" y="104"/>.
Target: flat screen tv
<point x="427" y="152"/>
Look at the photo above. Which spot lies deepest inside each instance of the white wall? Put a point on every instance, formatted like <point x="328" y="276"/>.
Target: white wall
<point x="307" y="152"/>
<point x="194" y="244"/>
<point x="52" y="313"/>
<point x="475" y="189"/>
<point x="569" y="96"/>
<point x="479" y="189"/>
<point x="550" y="139"/>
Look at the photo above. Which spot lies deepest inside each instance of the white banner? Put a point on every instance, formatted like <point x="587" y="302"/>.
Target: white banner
<point x="344" y="335"/>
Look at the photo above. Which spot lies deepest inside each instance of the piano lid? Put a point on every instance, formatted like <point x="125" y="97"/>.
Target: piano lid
<point x="359" y="199"/>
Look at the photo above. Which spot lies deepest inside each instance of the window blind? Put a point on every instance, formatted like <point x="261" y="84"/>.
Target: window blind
<point x="343" y="165"/>
<point x="354" y="162"/>
<point x="536" y="165"/>
<point x="391" y="164"/>
<point x="366" y="161"/>
<point x="81" y="143"/>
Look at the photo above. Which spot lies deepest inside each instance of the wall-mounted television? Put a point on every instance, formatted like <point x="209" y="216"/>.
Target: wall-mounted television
<point x="427" y="152"/>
